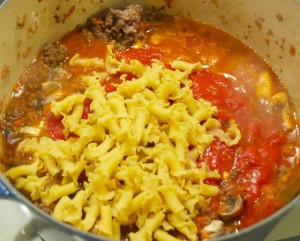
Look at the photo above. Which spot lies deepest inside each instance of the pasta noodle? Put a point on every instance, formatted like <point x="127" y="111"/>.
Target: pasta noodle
<point x="87" y="62"/>
<point x="162" y="235"/>
<point x="134" y="149"/>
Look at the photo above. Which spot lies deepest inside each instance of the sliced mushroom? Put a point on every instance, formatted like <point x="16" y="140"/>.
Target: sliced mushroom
<point x="234" y="206"/>
<point x="212" y="230"/>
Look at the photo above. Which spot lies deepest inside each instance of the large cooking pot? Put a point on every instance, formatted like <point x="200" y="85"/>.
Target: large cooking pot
<point x="270" y="27"/>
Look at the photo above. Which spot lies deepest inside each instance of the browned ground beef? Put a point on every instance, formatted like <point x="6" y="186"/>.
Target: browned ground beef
<point x="54" y="54"/>
<point x="119" y="25"/>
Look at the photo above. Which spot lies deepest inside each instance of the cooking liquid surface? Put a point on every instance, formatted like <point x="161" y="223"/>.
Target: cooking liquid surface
<point x="255" y="169"/>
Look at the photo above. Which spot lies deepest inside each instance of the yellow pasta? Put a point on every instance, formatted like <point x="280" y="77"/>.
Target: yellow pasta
<point x="134" y="150"/>
<point x="159" y="111"/>
<point x="116" y="230"/>
<point x="56" y="192"/>
<point x="189" y="67"/>
<point x="142" y="119"/>
<point x="105" y="225"/>
<point x="22" y="170"/>
<point x="67" y="104"/>
<point x="95" y="79"/>
<point x="32" y="184"/>
<point x="122" y="203"/>
<point x="91" y="213"/>
<point x="70" y="210"/>
<point x="184" y="224"/>
<point x="169" y="157"/>
<point x="97" y="94"/>
<point x="171" y="199"/>
<point x="86" y="62"/>
<point x="145" y="233"/>
<point x="110" y="160"/>
<point x="162" y="235"/>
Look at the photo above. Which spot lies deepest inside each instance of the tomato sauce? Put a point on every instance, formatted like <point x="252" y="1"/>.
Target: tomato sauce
<point x="253" y="163"/>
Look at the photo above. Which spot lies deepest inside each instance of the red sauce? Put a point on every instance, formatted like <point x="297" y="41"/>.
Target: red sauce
<point x="254" y="162"/>
<point x="77" y="43"/>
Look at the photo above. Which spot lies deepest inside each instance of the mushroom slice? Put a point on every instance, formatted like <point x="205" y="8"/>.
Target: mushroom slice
<point x="234" y="207"/>
<point x="212" y="230"/>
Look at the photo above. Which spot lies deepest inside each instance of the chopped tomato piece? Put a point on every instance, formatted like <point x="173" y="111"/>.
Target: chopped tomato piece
<point x="82" y="177"/>
<point x="220" y="91"/>
<point x="219" y="156"/>
<point x="212" y="181"/>
<point x="55" y="128"/>
<point x="144" y="55"/>
<point x="87" y="102"/>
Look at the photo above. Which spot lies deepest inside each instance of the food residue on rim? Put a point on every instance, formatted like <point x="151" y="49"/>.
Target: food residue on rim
<point x="5" y="71"/>
<point x="63" y="17"/>
<point x="279" y="17"/>
<point x="169" y="3"/>
<point x="21" y="20"/>
<point x="270" y="33"/>
<point x="25" y="52"/>
<point x="292" y="50"/>
<point x="216" y="3"/>
<point x="267" y="40"/>
<point x="258" y="23"/>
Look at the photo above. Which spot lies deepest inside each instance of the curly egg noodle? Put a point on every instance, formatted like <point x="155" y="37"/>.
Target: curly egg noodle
<point x="138" y="149"/>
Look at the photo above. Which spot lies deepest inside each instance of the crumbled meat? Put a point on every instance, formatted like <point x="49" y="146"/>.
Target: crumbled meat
<point x="119" y="25"/>
<point x="54" y="54"/>
<point x="57" y="74"/>
<point x="88" y="34"/>
<point x="37" y="103"/>
<point x="33" y="75"/>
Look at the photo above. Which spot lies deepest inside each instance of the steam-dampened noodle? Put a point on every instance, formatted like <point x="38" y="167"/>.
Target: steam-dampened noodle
<point x="143" y="126"/>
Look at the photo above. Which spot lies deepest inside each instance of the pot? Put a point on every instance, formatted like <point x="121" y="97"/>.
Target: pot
<point x="269" y="27"/>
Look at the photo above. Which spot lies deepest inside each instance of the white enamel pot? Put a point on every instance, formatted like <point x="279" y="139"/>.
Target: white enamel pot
<point x="270" y="27"/>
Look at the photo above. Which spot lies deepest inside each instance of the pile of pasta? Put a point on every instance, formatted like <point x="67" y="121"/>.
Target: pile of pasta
<point x="138" y="149"/>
